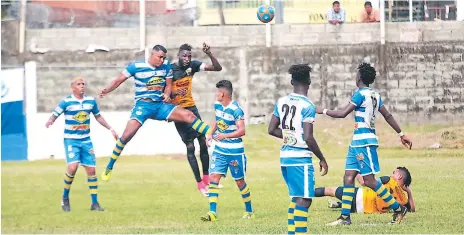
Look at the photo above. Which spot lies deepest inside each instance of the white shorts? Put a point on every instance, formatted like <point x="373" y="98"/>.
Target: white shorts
<point x="360" y="201"/>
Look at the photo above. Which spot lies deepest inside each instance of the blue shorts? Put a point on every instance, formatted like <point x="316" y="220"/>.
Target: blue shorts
<point x="79" y="151"/>
<point x="300" y="180"/>
<point x="144" y="110"/>
<point x="236" y="163"/>
<point x="363" y="159"/>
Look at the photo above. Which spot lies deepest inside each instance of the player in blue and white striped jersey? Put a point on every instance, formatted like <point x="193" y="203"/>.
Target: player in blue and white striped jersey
<point x="292" y="121"/>
<point x="153" y="84"/>
<point x="362" y="155"/>
<point x="228" y="152"/>
<point x="78" y="145"/>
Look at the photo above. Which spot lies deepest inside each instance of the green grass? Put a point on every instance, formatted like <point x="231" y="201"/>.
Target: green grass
<point x="156" y="194"/>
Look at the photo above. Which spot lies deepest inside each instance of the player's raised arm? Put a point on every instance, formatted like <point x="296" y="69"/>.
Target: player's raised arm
<point x="215" y="66"/>
<point x="338" y="113"/>
<point x="392" y="122"/>
<point x="127" y="73"/>
<point x="56" y="113"/>
<point x="274" y="125"/>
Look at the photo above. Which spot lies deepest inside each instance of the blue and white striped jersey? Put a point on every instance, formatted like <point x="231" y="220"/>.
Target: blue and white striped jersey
<point x="293" y="110"/>
<point x="226" y="118"/>
<point x="149" y="81"/>
<point x="76" y="116"/>
<point x="368" y="103"/>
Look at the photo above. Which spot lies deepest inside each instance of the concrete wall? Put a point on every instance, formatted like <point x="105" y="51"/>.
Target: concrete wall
<point x="253" y="35"/>
<point x="420" y="68"/>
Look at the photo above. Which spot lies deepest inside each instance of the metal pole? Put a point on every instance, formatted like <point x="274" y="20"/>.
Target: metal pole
<point x="268" y="29"/>
<point x="459" y="10"/>
<point x="22" y="26"/>
<point x="410" y="10"/>
<point x="142" y="29"/>
<point x="279" y="11"/>
<point x="382" y="22"/>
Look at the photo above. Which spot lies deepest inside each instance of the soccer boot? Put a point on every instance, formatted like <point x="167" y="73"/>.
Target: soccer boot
<point x="333" y="204"/>
<point x="105" y="176"/>
<point x="210" y="216"/>
<point x="96" y="207"/>
<point x="248" y="215"/>
<point x="340" y="221"/>
<point x="398" y="216"/>
<point x="65" y="206"/>
<point x="202" y="188"/>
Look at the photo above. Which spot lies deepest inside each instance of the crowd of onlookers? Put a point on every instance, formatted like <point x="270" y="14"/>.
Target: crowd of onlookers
<point x="337" y="15"/>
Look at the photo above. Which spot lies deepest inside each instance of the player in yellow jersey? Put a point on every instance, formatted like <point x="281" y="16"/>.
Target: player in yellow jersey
<point x="367" y="201"/>
<point x="183" y="72"/>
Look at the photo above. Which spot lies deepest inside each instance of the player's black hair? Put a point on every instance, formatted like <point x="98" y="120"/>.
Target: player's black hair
<point x="367" y="3"/>
<point x="160" y="48"/>
<point x="300" y="73"/>
<point x="336" y="2"/>
<point x="367" y="73"/>
<point x="185" y="47"/>
<point x="226" y="84"/>
<point x="406" y="174"/>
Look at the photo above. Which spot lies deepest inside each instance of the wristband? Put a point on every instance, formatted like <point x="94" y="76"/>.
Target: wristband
<point x="324" y="111"/>
<point x="400" y="134"/>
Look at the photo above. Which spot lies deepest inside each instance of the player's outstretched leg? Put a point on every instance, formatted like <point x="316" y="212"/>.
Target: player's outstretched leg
<point x="93" y="187"/>
<point x="213" y="196"/>
<point x="347" y="199"/>
<point x="290" y="216"/>
<point x="336" y="192"/>
<point x="382" y="192"/>
<point x="132" y="127"/>
<point x="68" y="179"/>
<point x="180" y="114"/>
<point x="246" y="197"/>
<point x="300" y="215"/>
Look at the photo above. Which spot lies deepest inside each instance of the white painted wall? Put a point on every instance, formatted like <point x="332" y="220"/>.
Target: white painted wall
<point x="155" y="137"/>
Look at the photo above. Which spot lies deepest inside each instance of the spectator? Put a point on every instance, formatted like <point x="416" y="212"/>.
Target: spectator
<point x="369" y="14"/>
<point x="336" y="15"/>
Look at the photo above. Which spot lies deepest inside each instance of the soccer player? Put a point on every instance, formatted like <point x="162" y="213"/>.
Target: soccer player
<point x="153" y="83"/>
<point x="292" y="121"/>
<point x="362" y="154"/>
<point x="183" y="72"/>
<point x="77" y="143"/>
<point x="367" y="201"/>
<point x="228" y="152"/>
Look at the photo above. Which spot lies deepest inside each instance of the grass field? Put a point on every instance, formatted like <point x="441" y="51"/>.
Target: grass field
<point x="157" y="194"/>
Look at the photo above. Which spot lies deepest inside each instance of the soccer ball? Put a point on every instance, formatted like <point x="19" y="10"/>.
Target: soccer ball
<point x="265" y="13"/>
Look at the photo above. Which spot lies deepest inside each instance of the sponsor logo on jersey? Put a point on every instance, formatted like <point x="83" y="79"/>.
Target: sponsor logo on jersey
<point x="81" y="116"/>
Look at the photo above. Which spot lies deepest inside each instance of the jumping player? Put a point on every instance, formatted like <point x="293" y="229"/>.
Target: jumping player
<point x="183" y="72"/>
<point x="77" y="143"/>
<point x="228" y="152"/>
<point x="362" y="155"/>
<point x="292" y="121"/>
<point x="366" y="201"/>
<point x="153" y="81"/>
